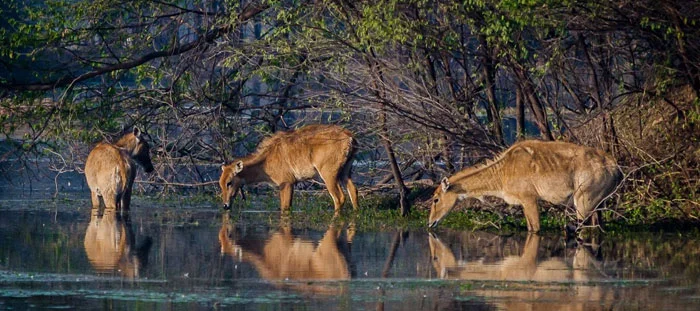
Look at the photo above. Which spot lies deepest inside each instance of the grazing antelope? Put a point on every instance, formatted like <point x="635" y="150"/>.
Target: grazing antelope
<point x="288" y="157"/>
<point x="532" y="170"/>
<point x="110" y="170"/>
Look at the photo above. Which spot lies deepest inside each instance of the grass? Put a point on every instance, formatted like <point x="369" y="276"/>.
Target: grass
<point x="314" y="210"/>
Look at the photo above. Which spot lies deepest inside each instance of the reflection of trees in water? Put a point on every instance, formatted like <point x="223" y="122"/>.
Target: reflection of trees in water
<point x="286" y="257"/>
<point x="671" y="254"/>
<point x="111" y="248"/>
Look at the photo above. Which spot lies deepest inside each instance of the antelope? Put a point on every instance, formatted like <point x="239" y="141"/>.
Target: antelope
<point x="110" y="170"/>
<point x="286" y="158"/>
<point x="530" y="170"/>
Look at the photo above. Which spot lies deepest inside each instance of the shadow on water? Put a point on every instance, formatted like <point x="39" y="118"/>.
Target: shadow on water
<point x="65" y="258"/>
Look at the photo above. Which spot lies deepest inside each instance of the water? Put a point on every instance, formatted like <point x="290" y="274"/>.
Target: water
<point x="56" y="256"/>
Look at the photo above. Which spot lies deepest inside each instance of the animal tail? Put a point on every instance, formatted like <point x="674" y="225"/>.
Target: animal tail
<point x="350" y="151"/>
<point x="619" y="175"/>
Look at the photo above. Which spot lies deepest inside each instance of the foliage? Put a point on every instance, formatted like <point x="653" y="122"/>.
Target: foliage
<point x="442" y="80"/>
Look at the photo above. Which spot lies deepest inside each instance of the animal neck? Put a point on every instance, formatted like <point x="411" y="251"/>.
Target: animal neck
<point x="127" y="144"/>
<point x="478" y="182"/>
<point x="253" y="169"/>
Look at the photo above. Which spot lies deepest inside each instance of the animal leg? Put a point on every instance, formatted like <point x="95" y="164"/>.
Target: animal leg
<point x="330" y="177"/>
<point x="118" y="201"/>
<point x="352" y="191"/>
<point x="126" y="200"/>
<point x="126" y="196"/>
<point x="334" y="190"/>
<point x="341" y="194"/>
<point x="95" y="201"/>
<point x="586" y="208"/>
<point x="590" y="193"/>
<point x="532" y="215"/>
<point x="347" y="183"/>
<point x="286" y="193"/>
<point x="110" y="200"/>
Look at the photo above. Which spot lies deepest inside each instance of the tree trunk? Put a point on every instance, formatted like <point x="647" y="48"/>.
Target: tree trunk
<point x="489" y="76"/>
<point x="400" y="185"/>
<point x="519" y="114"/>
<point x="538" y="110"/>
<point x="384" y="134"/>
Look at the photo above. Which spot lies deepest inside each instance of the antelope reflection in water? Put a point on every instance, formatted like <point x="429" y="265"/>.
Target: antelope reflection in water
<point x="553" y="277"/>
<point x="285" y="257"/>
<point x="110" y="245"/>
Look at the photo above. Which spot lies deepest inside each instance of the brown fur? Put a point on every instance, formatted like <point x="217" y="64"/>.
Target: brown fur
<point x="110" y="170"/>
<point x="288" y="157"/>
<point x="109" y="245"/>
<point x="286" y="257"/>
<point x="532" y="170"/>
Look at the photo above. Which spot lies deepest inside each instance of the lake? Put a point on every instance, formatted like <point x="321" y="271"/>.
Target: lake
<point x="59" y="256"/>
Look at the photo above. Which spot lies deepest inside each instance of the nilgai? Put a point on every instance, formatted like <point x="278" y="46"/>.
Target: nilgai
<point x="530" y="170"/>
<point x="286" y="158"/>
<point x="110" y="170"/>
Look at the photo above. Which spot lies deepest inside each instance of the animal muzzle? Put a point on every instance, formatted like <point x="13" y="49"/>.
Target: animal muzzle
<point x="227" y="203"/>
<point x="433" y="224"/>
<point x="145" y="162"/>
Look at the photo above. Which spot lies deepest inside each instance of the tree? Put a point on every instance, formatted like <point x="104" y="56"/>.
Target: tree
<point x="429" y="85"/>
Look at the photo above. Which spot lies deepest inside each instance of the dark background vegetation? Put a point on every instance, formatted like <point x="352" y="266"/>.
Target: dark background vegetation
<point x="428" y="87"/>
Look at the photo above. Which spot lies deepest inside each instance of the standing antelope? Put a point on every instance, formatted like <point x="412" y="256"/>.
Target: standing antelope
<point x="532" y="170"/>
<point x="110" y="170"/>
<point x="288" y="157"/>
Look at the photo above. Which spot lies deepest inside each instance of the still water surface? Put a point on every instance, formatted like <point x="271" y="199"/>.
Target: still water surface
<point x="200" y="258"/>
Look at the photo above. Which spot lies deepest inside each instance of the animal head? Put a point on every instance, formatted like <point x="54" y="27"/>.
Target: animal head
<point x="444" y="199"/>
<point x="230" y="182"/>
<point x="138" y="148"/>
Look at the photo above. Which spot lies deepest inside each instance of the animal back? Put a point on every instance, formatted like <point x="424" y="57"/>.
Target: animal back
<point x="107" y="167"/>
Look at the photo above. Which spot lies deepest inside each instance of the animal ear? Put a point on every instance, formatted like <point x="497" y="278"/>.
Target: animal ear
<point x="239" y="167"/>
<point x="445" y="184"/>
<point x="223" y="167"/>
<point x="137" y="132"/>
